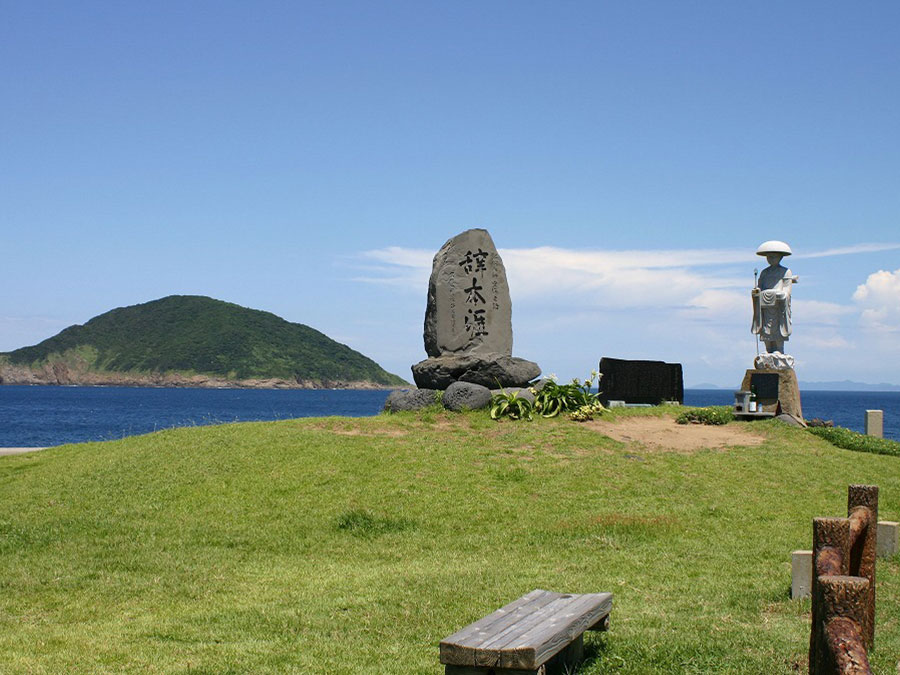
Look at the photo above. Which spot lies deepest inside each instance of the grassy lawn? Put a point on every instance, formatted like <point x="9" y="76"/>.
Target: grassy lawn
<point x="338" y="545"/>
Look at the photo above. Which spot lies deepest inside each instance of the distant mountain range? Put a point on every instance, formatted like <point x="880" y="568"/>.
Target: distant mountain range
<point x="188" y="340"/>
<point x="842" y="385"/>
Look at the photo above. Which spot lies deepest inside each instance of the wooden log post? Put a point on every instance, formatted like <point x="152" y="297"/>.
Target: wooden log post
<point x="843" y="586"/>
<point x="831" y="545"/>
<point x="862" y="511"/>
<point x="844" y="609"/>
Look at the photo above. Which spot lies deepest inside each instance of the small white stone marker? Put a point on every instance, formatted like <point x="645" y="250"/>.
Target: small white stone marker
<point x="801" y="574"/>
<point x="887" y="538"/>
<point x="875" y="423"/>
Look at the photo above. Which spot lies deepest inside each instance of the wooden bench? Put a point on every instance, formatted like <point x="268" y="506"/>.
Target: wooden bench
<point x="538" y="634"/>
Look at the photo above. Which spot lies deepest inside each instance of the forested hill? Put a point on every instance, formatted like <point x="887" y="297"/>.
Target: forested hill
<point x="189" y="336"/>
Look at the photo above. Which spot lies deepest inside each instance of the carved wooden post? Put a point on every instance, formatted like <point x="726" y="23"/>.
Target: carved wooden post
<point x="831" y="543"/>
<point x="843" y="587"/>
<point x="862" y="510"/>
<point x="844" y="606"/>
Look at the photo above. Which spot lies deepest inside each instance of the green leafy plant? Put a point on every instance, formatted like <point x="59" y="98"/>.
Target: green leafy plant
<point x="717" y="414"/>
<point x="555" y="398"/>
<point x="512" y="405"/>
<point x="852" y="440"/>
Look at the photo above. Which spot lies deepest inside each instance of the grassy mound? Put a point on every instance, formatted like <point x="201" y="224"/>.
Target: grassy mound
<point x="340" y="545"/>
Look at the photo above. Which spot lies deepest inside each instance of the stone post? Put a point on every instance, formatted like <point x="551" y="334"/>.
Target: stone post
<point x="801" y="574"/>
<point x="887" y="538"/>
<point x="875" y="423"/>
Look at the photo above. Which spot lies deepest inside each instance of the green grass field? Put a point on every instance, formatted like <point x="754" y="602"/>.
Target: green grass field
<point x="342" y="545"/>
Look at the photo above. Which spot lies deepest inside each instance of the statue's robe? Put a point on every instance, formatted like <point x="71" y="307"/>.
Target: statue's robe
<point x="772" y="305"/>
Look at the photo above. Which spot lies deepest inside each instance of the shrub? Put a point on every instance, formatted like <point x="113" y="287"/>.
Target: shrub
<point x="556" y="398"/>
<point x="719" y="414"/>
<point x="852" y="440"/>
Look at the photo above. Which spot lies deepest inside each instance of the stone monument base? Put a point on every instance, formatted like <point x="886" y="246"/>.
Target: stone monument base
<point x="488" y="370"/>
<point x="787" y="392"/>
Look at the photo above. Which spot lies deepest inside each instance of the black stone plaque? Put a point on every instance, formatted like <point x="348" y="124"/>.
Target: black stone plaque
<point x="766" y="385"/>
<point x="640" y="381"/>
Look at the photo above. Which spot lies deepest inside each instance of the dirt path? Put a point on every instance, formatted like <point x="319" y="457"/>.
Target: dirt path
<point x="663" y="433"/>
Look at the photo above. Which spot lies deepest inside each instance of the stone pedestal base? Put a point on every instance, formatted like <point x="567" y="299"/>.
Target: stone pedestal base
<point x="788" y="391"/>
<point x="488" y="370"/>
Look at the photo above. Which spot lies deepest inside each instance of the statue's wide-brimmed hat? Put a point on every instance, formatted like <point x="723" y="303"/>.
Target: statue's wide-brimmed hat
<point x="773" y="246"/>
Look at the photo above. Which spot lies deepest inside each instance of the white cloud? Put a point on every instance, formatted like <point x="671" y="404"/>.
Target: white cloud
<point x="691" y="306"/>
<point x="612" y="279"/>
<point x="879" y="299"/>
<point x="397" y="266"/>
<point x="719" y="304"/>
<point x="850" y="250"/>
<point x="819" y="312"/>
<point x="826" y="341"/>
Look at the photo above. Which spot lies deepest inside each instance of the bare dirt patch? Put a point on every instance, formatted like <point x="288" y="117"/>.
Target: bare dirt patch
<point x="343" y="429"/>
<point x="664" y="434"/>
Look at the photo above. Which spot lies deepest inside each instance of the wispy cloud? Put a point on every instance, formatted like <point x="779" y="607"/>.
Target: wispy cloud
<point x="695" y="284"/>
<point x="689" y="305"/>
<point x="819" y="312"/>
<point x="850" y="250"/>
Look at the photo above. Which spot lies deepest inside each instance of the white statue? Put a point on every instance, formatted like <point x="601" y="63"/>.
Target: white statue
<point x="772" y="298"/>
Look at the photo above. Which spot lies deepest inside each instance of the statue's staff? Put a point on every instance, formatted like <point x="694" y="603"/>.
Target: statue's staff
<point x="758" y="306"/>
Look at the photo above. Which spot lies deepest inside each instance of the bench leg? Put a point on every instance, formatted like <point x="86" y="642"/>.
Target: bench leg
<point x="602" y="624"/>
<point x="566" y="661"/>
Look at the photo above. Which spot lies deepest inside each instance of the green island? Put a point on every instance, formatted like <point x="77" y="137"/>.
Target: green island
<point x="184" y="340"/>
<point x="354" y="545"/>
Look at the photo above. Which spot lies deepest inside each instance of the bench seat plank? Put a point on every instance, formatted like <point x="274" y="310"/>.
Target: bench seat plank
<point x="526" y="633"/>
<point x="459" y="649"/>
<point x="488" y="653"/>
<point x="533" y="648"/>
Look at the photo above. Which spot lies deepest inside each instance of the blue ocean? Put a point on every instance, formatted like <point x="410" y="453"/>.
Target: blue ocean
<point x="46" y="416"/>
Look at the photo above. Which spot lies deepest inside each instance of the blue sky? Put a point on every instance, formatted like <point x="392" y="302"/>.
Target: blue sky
<point x="309" y="159"/>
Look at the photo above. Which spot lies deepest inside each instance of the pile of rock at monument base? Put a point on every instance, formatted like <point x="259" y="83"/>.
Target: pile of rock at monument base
<point x="468" y="331"/>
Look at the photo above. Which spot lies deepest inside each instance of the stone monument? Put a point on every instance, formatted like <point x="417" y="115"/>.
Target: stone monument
<point x="468" y="319"/>
<point x="639" y="381"/>
<point x="772" y="376"/>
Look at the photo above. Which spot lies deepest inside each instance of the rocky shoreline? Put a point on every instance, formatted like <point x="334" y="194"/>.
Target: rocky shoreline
<point x="60" y="374"/>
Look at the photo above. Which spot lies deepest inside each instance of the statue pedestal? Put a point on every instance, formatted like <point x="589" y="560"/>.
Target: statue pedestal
<point x="774" y="387"/>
